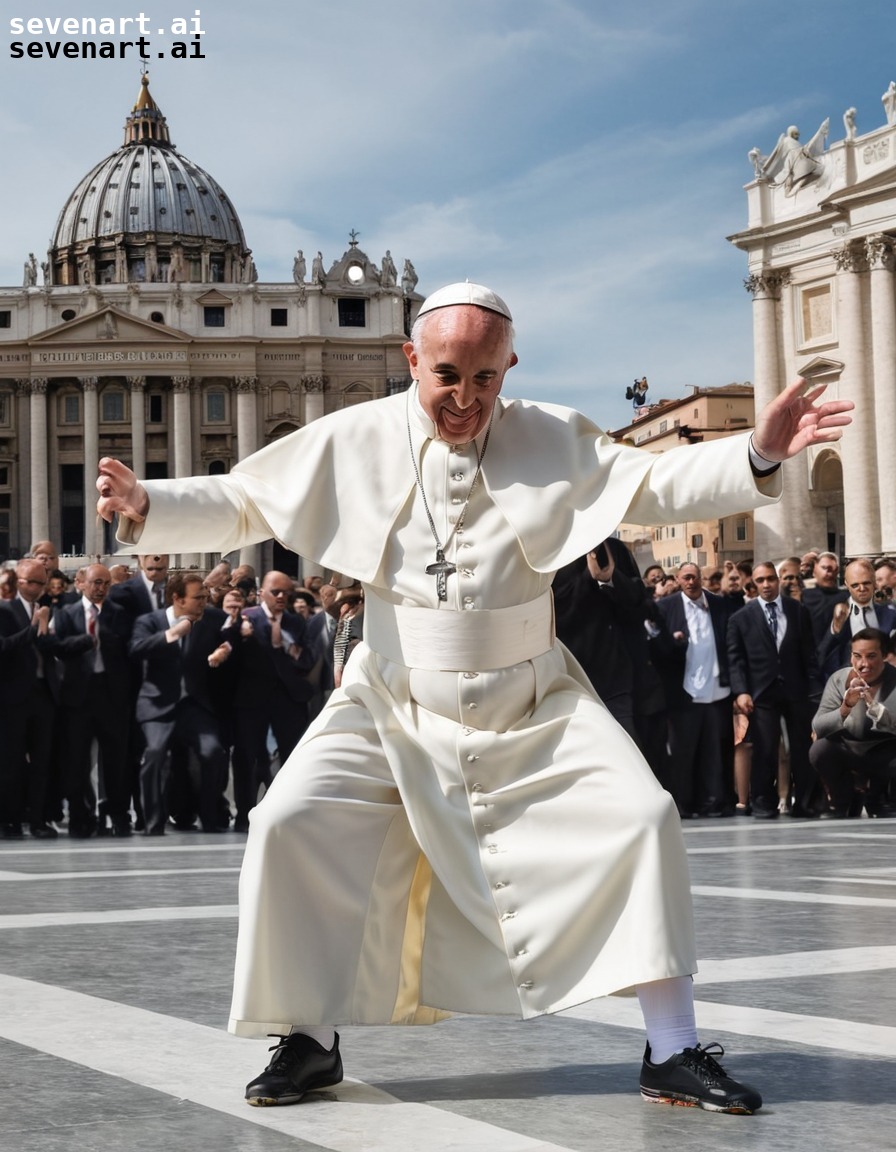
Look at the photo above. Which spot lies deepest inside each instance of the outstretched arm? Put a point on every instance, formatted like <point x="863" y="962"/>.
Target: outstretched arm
<point x="120" y="491"/>
<point x="793" y="421"/>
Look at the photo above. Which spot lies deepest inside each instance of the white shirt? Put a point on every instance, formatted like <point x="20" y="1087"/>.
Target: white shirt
<point x="701" y="664"/>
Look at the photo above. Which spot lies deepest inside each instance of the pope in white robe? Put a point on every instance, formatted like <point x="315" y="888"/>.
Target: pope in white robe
<point x="464" y="827"/>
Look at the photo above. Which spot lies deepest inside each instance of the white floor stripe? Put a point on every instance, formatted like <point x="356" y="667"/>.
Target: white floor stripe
<point x="823" y="962"/>
<point x="117" y="916"/>
<point x="151" y="846"/>
<point x="126" y="873"/>
<point x="767" y="894"/>
<point x="875" y="881"/>
<point x="209" y="1068"/>
<point x="735" y="849"/>
<point x="816" y="1031"/>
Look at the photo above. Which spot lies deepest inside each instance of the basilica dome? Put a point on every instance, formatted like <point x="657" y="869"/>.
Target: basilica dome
<point x="147" y="213"/>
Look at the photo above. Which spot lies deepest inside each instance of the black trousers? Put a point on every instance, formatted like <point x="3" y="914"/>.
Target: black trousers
<point x="251" y="760"/>
<point x="26" y="744"/>
<point x="769" y="709"/>
<point x="189" y="728"/>
<point x="701" y="756"/>
<point x="98" y="717"/>
<point x="850" y="769"/>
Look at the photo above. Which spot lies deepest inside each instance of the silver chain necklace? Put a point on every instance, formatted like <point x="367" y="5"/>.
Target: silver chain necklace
<point x="443" y="568"/>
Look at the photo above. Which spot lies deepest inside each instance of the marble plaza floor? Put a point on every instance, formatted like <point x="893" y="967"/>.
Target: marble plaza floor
<point x="115" y="964"/>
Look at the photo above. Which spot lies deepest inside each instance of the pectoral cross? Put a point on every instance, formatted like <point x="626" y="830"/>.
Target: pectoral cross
<point x="442" y="569"/>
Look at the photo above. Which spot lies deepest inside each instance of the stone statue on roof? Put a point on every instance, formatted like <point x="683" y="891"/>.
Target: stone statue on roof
<point x="794" y="164"/>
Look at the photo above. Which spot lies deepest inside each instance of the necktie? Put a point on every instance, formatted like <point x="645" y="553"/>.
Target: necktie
<point x="772" y="610"/>
<point x="158" y="593"/>
<point x="92" y="614"/>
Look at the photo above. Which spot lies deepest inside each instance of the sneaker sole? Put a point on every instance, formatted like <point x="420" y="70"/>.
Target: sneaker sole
<point x="296" y="1098"/>
<point x="693" y="1102"/>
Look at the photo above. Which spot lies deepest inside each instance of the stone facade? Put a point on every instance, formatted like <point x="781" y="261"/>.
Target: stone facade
<point x="820" y="247"/>
<point x="175" y="372"/>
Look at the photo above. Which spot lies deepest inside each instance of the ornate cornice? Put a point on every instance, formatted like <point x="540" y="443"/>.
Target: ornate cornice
<point x="23" y="386"/>
<point x="38" y="385"/>
<point x="181" y="383"/>
<point x="314" y="382"/>
<point x="136" y="383"/>
<point x="88" y="383"/>
<point x="244" y="384"/>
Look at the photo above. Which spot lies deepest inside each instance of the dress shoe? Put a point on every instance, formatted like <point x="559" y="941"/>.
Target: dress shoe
<point x="121" y="826"/>
<point x="43" y="832"/>
<point x="694" y="1079"/>
<point x="81" y="831"/>
<point x="743" y="810"/>
<point x="240" y="825"/>
<point x="801" y="812"/>
<point x="158" y="830"/>
<point x="12" y="832"/>
<point x="215" y="829"/>
<point x="299" y="1065"/>
<point x="834" y="814"/>
<point x="765" y="813"/>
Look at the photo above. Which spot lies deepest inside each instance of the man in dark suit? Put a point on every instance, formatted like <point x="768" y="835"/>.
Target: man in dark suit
<point x="178" y="649"/>
<point x="775" y="676"/>
<point x="691" y="655"/>
<point x="853" y="615"/>
<point x="272" y="689"/>
<point x="141" y="593"/>
<point x="145" y="590"/>
<point x="601" y="604"/>
<point x="27" y="706"/>
<point x="95" y="703"/>
<point x="823" y="597"/>
<point x="855" y="725"/>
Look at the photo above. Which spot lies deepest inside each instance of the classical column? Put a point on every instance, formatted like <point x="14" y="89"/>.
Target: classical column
<point x="861" y="503"/>
<point x="23" y="466"/>
<point x="137" y="385"/>
<point x="314" y="386"/>
<point x="246" y="388"/>
<point x="879" y="251"/>
<point x="772" y="525"/>
<point x="91" y="460"/>
<point x="40" y="489"/>
<point x="183" y="456"/>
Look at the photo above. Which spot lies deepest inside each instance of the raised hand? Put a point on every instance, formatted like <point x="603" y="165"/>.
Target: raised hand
<point x="120" y="491"/>
<point x="793" y="421"/>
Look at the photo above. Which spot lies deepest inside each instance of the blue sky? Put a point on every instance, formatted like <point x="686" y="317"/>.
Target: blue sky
<point x="585" y="159"/>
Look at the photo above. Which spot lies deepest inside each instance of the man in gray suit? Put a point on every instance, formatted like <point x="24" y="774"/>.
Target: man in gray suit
<point x="855" y="726"/>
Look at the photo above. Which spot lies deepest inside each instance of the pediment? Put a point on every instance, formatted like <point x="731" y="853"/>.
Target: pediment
<point x="820" y="370"/>
<point x="110" y="325"/>
<point x="214" y="297"/>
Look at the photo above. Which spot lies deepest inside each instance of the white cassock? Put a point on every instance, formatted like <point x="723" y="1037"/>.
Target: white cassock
<point x="464" y="827"/>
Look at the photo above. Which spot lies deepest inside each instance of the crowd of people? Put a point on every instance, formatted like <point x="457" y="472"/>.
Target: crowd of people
<point x="146" y="700"/>
<point x="752" y="689"/>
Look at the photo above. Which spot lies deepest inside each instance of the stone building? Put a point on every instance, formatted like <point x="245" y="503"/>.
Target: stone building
<point x="707" y="414"/>
<point x="151" y="338"/>
<point x="820" y="251"/>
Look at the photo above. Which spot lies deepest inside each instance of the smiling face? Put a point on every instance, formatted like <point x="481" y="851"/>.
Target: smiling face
<point x="459" y="361"/>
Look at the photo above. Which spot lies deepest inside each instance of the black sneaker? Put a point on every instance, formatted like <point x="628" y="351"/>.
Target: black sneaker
<point x="694" y="1079"/>
<point x="299" y="1065"/>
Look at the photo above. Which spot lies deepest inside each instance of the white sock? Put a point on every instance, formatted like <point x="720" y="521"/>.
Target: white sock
<point x="326" y="1037"/>
<point x="668" y="1008"/>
